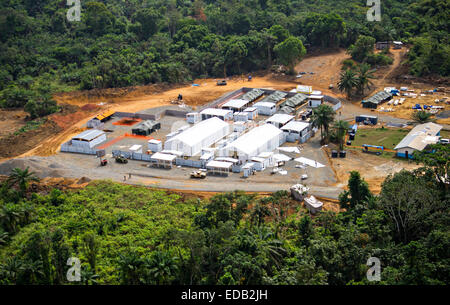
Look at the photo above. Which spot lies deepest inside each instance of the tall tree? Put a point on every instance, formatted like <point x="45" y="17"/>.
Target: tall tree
<point x="290" y="52"/>
<point x="21" y="178"/>
<point x="341" y="130"/>
<point x="322" y="117"/>
<point x="364" y="77"/>
<point x="347" y="82"/>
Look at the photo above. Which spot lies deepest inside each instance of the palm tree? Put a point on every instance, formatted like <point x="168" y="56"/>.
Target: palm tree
<point x="322" y="117"/>
<point x="161" y="267"/>
<point x="258" y="212"/>
<point x="10" y="216"/>
<point x="341" y="128"/>
<point x="421" y="117"/>
<point x="364" y="77"/>
<point x="130" y="268"/>
<point x="21" y="178"/>
<point x="267" y="243"/>
<point x="33" y="269"/>
<point x="11" y="269"/>
<point x="347" y="82"/>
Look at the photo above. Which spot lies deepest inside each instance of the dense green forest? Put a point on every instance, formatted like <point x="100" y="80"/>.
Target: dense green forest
<point x="124" y="43"/>
<point x="135" y="235"/>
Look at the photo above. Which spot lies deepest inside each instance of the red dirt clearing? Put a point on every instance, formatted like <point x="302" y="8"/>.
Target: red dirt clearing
<point x="127" y="122"/>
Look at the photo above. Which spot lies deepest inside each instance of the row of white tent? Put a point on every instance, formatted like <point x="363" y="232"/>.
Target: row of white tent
<point x="264" y="138"/>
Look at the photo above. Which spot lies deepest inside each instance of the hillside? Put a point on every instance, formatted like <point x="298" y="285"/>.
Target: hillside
<point x="141" y="42"/>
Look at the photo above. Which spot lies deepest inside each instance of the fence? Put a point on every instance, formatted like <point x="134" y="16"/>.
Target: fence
<point x="190" y="163"/>
<point x="132" y="156"/>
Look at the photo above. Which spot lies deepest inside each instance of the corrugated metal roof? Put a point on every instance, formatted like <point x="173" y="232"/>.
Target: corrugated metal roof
<point x="378" y="97"/>
<point x="420" y="136"/>
<point x="89" y="135"/>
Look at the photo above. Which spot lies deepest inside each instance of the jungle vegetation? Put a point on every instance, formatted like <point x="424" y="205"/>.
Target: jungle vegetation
<point x="126" y="234"/>
<point x="136" y="42"/>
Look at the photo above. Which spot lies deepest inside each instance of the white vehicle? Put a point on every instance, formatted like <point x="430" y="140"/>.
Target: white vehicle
<point x="444" y="141"/>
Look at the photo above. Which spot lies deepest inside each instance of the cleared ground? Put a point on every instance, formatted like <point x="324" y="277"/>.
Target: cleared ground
<point x="386" y="137"/>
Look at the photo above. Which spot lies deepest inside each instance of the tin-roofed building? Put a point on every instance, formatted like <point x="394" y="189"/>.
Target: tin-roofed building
<point x="377" y="99"/>
<point x="89" y="138"/>
<point x="236" y="105"/>
<point x="418" y="139"/>
<point x="297" y="131"/>
<point x="280" y="119"/>
<point x="222" y="114"/>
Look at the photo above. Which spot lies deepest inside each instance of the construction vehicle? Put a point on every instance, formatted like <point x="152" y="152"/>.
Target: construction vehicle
<point x="121" y="159"/>
<point x="103" y="162"/>
<point x="198" y="175"/>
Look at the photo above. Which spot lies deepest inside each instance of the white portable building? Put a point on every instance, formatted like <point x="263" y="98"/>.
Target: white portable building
<point x="260" y="139"/>
<point x="280" y="119"/>
<point x="222" y="114"/>
<point x="252" y="112"/>
<point x="265" y="108"/>
<point x="315" y="100"/>
<point x="239" y="126"/>
<point x="304" y="89"/>
<point x="201" y="135"/>
<point x="193" y="117"/>
<point x="296" y="131"/>
<point x="155" y="145"/>
<point x="241" y="117"/>
<point x="89" y="138"/>
<point x="136" y="149"/>
<point x="235" y="105"/>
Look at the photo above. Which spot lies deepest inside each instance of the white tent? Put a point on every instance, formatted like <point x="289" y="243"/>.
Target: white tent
<point x="201" y="135"/>
<point x="260" y="139"/>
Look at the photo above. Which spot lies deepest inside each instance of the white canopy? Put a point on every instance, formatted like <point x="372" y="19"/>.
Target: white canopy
<point x="281" y="157"/>
<point x="260" y="139"/>
<point x="201" y="135"/>
<point x="235" y="104"/>
<point x="163" y="157"/>
<point x="219" y="164"/>
<point x="309" y="162"/>
<point x="217" y="112"/>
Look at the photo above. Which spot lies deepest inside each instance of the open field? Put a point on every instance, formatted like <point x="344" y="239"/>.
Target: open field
<point x="386" y="137"/>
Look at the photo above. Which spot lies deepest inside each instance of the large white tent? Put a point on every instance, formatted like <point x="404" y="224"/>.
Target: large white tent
<point x="191" y="141"/>
<point x="260" y="139"/>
